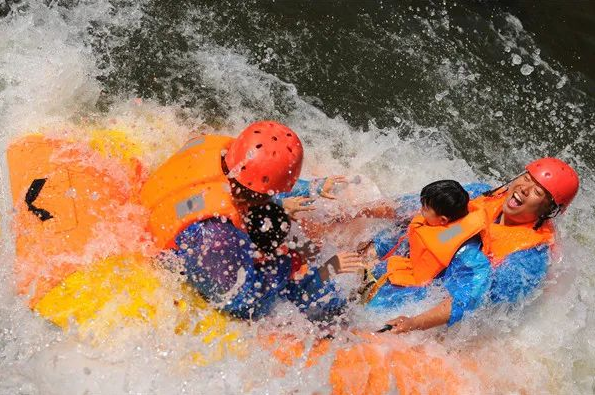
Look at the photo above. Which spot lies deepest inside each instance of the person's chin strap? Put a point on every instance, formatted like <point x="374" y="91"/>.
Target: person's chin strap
<point x="544" y="217"/>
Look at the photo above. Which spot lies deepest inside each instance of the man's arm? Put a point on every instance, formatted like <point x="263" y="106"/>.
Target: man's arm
<point x="436" y="316"/>
<point x="467" y="281"/>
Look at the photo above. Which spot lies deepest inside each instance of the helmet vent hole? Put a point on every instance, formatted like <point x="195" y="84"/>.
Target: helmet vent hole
<point x="274" y="153"/>
<point x="265" y="179"/>
<point x="274" y="138"/>
<point x="243" y="168"/>
<point x="289" y="149"/>
<point x="258" y="146"/>
<point x="257" y="132"/>
<point x="288" y="134"/>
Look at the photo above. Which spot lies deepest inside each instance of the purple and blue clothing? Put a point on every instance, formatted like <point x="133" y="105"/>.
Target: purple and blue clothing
<point x="219" y="263"/>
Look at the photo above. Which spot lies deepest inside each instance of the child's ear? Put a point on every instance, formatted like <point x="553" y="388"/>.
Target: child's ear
<point x="444" y="220"/>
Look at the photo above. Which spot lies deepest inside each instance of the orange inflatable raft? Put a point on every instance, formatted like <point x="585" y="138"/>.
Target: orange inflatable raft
<point x="82" y="249"/>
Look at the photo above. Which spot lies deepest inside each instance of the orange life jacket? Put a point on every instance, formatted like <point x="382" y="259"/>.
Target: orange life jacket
<point x="502" y="240"/>
<point x="431" y="248"/>
<point x="190" y="186"/>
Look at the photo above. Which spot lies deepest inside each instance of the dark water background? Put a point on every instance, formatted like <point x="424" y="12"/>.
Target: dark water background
<point x="445" y="66"/>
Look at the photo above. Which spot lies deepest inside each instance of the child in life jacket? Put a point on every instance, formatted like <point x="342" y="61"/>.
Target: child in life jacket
<point x="432" y="239"/>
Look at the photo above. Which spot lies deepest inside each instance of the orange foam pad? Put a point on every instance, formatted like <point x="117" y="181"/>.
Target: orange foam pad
<point x="81" y="189"/>
<point x="373" y="367"/>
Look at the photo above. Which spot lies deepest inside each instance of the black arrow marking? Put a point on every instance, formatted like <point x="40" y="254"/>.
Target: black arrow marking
<point x="32" y="194"/>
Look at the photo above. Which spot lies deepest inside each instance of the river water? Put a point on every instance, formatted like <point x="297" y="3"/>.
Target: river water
<point x="401" y="94"/>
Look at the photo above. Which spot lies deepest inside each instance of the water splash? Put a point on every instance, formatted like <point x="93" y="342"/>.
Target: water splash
<point x="67" y="70"/>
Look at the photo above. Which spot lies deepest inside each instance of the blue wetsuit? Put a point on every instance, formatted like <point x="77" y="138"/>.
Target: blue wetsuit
<point x="469" y="277"/>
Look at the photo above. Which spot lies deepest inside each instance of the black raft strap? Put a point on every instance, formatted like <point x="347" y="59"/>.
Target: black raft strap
<point x="32" y="194"/>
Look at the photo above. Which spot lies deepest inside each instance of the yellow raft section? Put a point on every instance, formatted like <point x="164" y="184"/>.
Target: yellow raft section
<point x="126" y="291"/>
<point x="96" y="298"/>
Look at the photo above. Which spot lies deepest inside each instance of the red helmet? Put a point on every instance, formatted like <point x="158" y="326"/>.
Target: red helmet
<point x="557" y="177"/>
<point x="266" y="156"/>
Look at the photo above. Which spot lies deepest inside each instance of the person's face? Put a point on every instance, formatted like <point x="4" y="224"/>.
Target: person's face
<point x="432" y="218"/>
<point x="525" y="201"/>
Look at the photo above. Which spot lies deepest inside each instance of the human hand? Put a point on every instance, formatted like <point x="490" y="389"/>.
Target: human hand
<point x="343" y="262"/>
<point x="346" y="262"/>
<point x="401" y="324"/>
<point x="294" y="205"/>
<point x="329" y="184"/>
<point x="368" y="253"/>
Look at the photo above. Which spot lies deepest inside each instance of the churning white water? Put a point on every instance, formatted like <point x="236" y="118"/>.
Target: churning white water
<point x="48" y="83"/>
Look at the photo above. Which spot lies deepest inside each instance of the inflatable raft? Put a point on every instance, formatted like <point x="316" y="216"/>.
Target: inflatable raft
<point x="84" y="260"/>
<point x="83" y="256"/>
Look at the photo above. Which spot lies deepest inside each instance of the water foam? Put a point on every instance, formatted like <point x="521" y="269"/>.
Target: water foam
<point x="48" y="83"/>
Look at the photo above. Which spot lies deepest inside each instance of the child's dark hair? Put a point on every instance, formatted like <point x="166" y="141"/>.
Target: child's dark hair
<point x="267" y="225"/>
<point x="446" y="197"/>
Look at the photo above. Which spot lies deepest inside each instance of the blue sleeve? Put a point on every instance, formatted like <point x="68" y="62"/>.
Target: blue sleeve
<point x="214" y="253"/>
<point x="407" y="206"/>
<point x="519" y="275"/>
<point x="467" y="279"/>
<point x="301" y="188"/>
<point x="475" y="189"/>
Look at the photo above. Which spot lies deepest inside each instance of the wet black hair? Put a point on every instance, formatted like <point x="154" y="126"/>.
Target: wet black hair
<point x="267" y="225"/>
<point x="239" y="191"/>
<point x="446" y="197"/>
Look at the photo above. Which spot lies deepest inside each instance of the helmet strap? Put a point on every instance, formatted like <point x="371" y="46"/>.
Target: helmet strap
<point x="557" y="209"/>
<point x="492" y="192"/>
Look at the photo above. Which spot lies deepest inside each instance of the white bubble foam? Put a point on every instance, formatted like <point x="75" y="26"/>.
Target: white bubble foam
<point x="48" y="81"/>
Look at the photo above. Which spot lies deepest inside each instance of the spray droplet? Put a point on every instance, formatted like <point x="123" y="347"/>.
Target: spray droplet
<point x="441" y="95"/>
<point x="516" y="59"/>
<point x="562" y="82"/>
<point x="71" y="193"/>
<point x="527" y="69"/>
